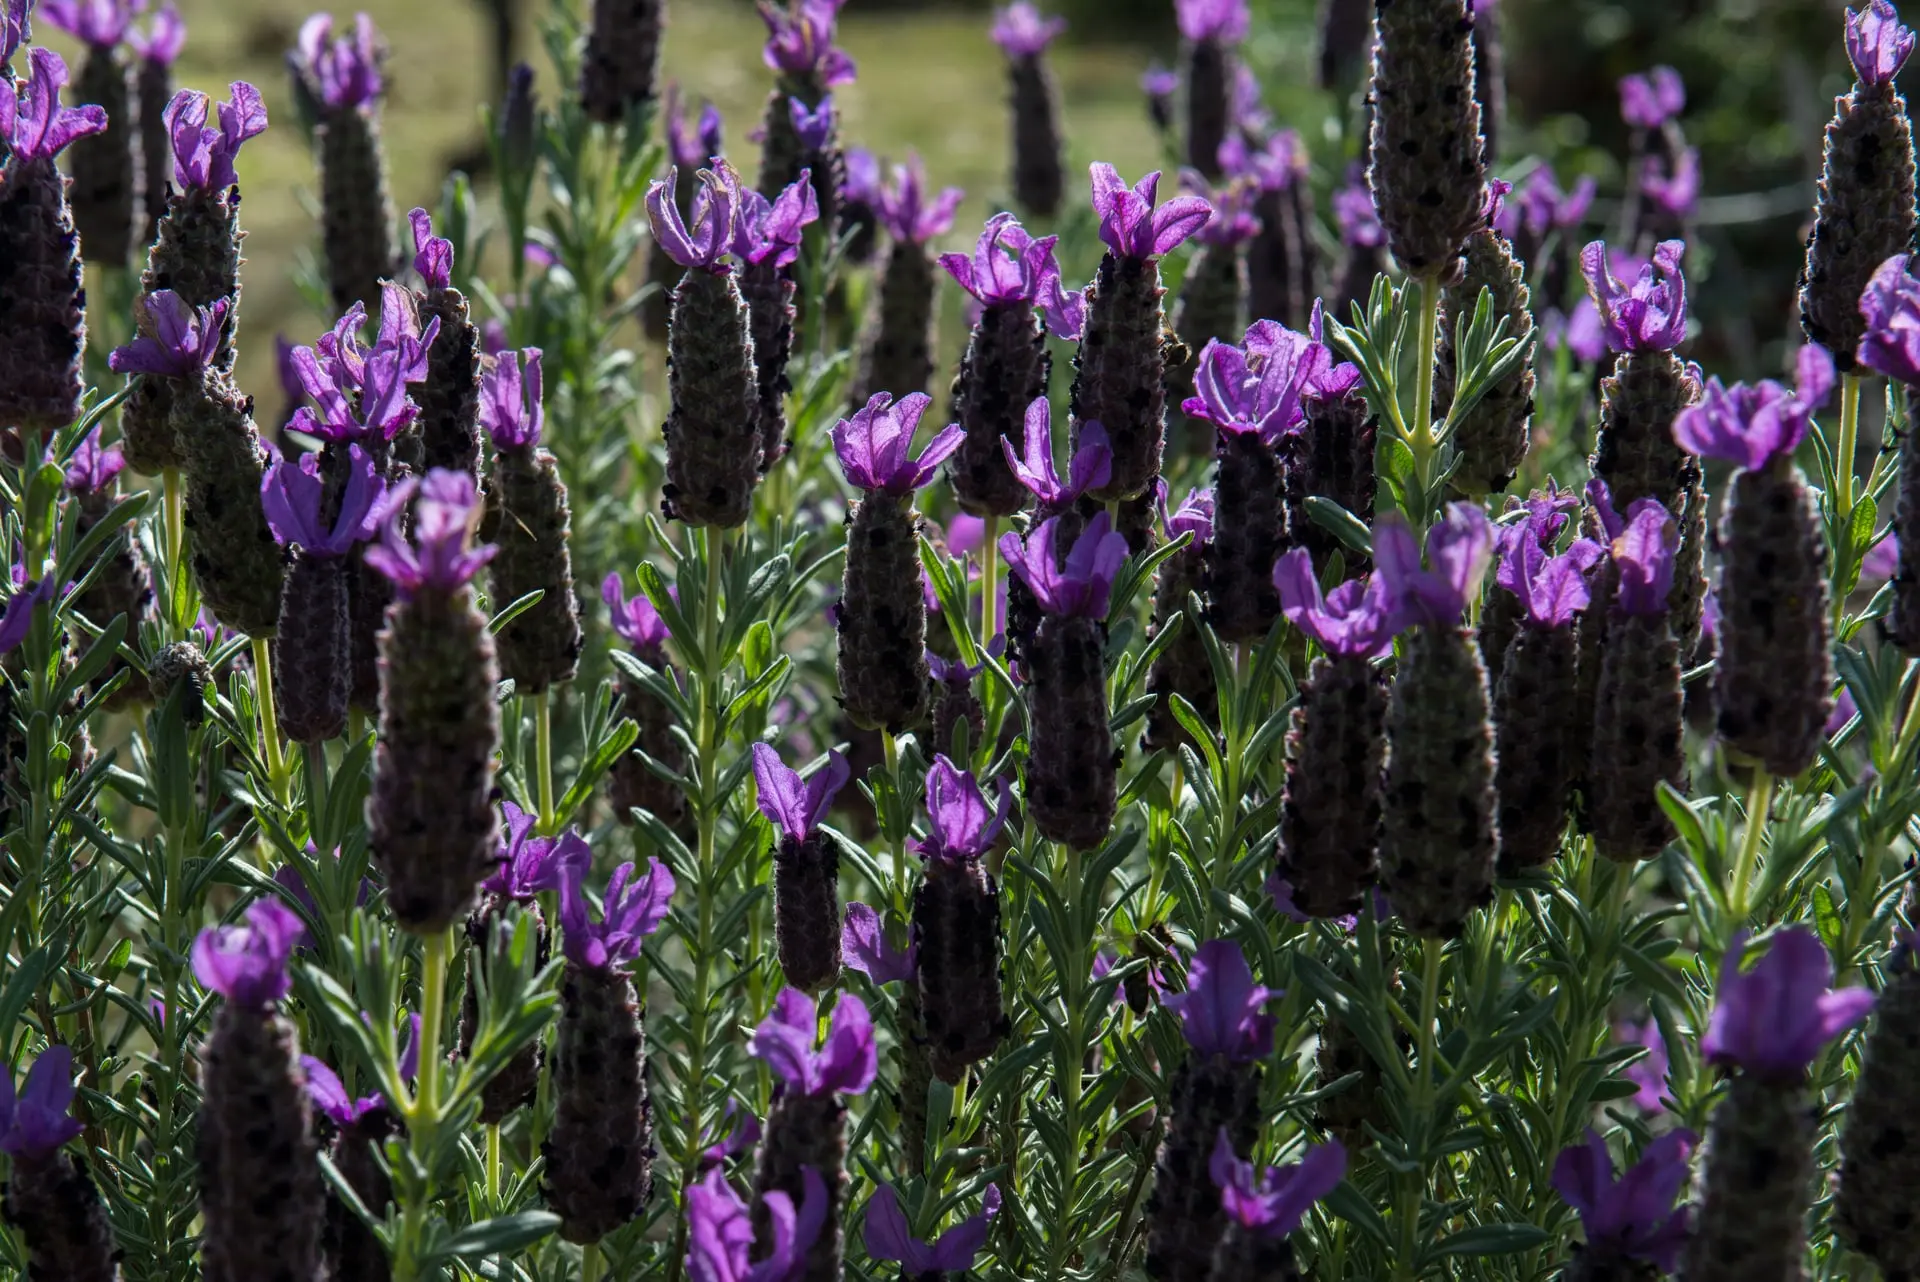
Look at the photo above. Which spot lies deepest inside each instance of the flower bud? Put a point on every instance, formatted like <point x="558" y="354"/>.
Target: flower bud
<point x="1184" y="1217"/>
<point x="1492" y="439"/>
<point x="1634" y="449"/>
<point x="713" y="431"/>
<point x="621" y="58"/>
<point x="528" y="519"/>
<point x="882" y="631"/>
<point x="599" y="1154"/>
<point x="1750" y="1218"/>
<point x="1879" y="1155"/>
<point x="1072" y="762"/>
<point x="42" y="306"/>
<point x="356" y="209"/>
<point x="1039" y="176"/>
<point x="1330" y="813"/>
<point x="236" y="562"/>
<point x="105" y="191"/>
<point x="1005" y="369"/>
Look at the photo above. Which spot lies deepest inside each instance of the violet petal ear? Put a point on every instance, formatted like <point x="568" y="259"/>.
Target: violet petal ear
<point x="886" y="1233"/>
<point x="1178" y="219"/>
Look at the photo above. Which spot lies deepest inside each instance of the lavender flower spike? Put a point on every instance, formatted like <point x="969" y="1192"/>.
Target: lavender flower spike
<point x="1460" y="548"/>
<point x="293" y="492"/>
<point x="1771" y="1022"/>
<point x="1650" y="314"/>
<point x="184" y="338"/>
<point x="35" y="1123"/>
<point x="705" y="241"/>
<point x="59" y="1219"/>
<point x="1080" y="585"/>
<point x="720" y="1231"/>
<point x="635" y="905"/>
<point x="203" y="155"/>
<point x="1751" y="426"/>
<point x="1355" y="620"/>
<point x="785" y="1040"/>
<point x="1272" y="1203"/>
<point x="1131" y="227"/>
<point x="889" y="1237"/>
<point x="1021" y="32"/>
<point x="1891" y="307"/>
<point x="439" y="557"/>
<point x="247" y="964"/>
<point x="1221" y="1011"/>
<point x="1090" y="468"/>
<point x="873" y="445"/>
<point x="1878" y="44"/>
<point x="1631" y="1217"/>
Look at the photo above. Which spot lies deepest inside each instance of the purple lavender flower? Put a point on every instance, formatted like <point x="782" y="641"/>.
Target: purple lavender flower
<point x="813" y="126"/>
<point x="35" y="1123"/>
<point x="739" y="1136"/>
<point x="1877" y="44"/>
<point x="1650" y="314"/>
<point x="773" y="229"/>
<point x="1751" y="426"/>
<point x="293" y="491"/>
<point x="100" y="23"/>
<point x="1234" y="221"/>
<point x="1160" y="85"/>
<point x="1082" y="583"/>
<point x="1221" y="1011"/>
<point x="362" y="395"/>
<point x="1552" y="589"/>
<point x="1010" y="268"/>
<point x="1131" y="227"/>
<point x="792" y="805"/>
<point x="800" y="41"/>
<point x="331" y="1097"/>
<point x="1273" y="165"/>
<point x="1643" y="555"/>
<point x="844" y="1065"/>
<point x="35" y="125"/>
<point x="1021" y="32"/>
<point x="1541" y="207"/>
<point x="1460" y="548"/>
<point x="92" y="469"/>
<point x="696" y="147"/>
<point x="1891" y="305"/>
<point x="1773" y="1020"/>
<point x="864" y="946"/>
<point x="203" y="156"/>
<point x="1194" y="515"/>
<point x="1651" y="100"/>
<point x="162" y="40"/>
<point x="346" y="70"/>
<point x="510" y="407"/>
<point x="1631" y="1217"/>
<point x="1650" y="1072"/>
<point x="440" y="556"/>
<point x="720" y="1231"/>
<point x="247" y="964"/>
<point x="1354" y="213"/>
<point x="963" y="824"/>
<point x="1257" y="388"/>
<point x="432" y="255"/>
<point x="184" y="341"/>
<point x="1582" y="333"/>
<point x="634" y="620"/>
<point x="889" y="1237"/>
<point x="863" y="181"/>
<point x="1673" y="192"/>
<point x="17" y="620"/>
<point x="1357" y="618"/>
<point x="904" y="209"/>
<point x="634" y="906"/>
<point x="14" y="29"/>
<point x="716" y="209"/>
<point x="530" y="864"/>
<point x="1274" y="1202"/>
<point x="1090" y="468"/>
<point x="873" y="445"/>
<point x="1225" y="21"/>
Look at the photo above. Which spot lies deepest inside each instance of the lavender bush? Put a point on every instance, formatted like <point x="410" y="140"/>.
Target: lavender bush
<point x="1446" y="812"/>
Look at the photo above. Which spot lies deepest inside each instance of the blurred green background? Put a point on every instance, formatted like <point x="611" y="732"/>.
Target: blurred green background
<point x="1761" y="76"/>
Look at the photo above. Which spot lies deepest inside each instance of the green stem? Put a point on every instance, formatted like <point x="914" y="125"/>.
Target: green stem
<point x="1759" y="799"/>
<point x="269" y="717"/>
<point x="543" y="757"/>
<point x="1422" y="442"/>
<point x="493" y="1167"/>
<point x="890" y="747"/>
<point x="590" y="1262"/>
<point x="989" y="583"/>
<point x="423" y="1111"/>
<point x="1843" y="460"/>
<point x="1414" y="1186"/>
<point x="174" y="519"/>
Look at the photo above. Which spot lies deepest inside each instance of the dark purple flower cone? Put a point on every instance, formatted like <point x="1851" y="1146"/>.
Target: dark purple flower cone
<point x="1864" y="215"/>
<point x="1489" y="76"/>
<point x="1634" y="450"/>
<point x="806" y="910"/>
<point x="1501" y="614"/>
<point x="106" y="166"/>
<point x="123" y="585"/>
<point x="713" y="431"/>
<point x="260" y="1188"/>
<point x="1903" y="621"/>
<point x="1244" y="1255"/>
<point x="430" y="816"/>
<point x="630" y="785"/>
<point x="1590" y="633"/>
<point x="622" y="56"/>
<point x="1638" y="720"/>
<point x="1207" y="76"/>
<point x="146" y="426"/>
<point x="769" y="291"/>
<point x="916" y="1075"/>
<point x="1005" y="369"/>
<point x="56" y="1209"/>
<point x="1686" y="604"/>
<point x="956" y="932"/>
<point x="1533" y="765"/>
<point x="1332" y="457"/>
<point x="356" y="210"/>
<point x="42" y="306"/>
<point x="197" y="256"/>
<point x="1330" y="813"/>
<point x="349" y="1246"/>
<point x="236" y="561"/>
<point x="528" y="519"/>
<point x="368" y="596"/>
<point x="449" y="422"/>
<point x="1587" y="1265"/>
<point x="1492" y="439"/>
<point x="1757" y="1182"/>
<point x="1346" y="36"/>
<point x="1283" y="261"/>
<point x="1426" y="166"/>
<point x="1773" y="684"/>
<point x="311" y="676"/>
<point x="1183" y="667"/>
<point x="514" y="1086"/>
<point x="1184" y="1216"/>
<point x="1039" y="174"/>
<point x="1441" y="833"/>
<point x="804" y="1130"/>
<point x="1347" y="1113"/>
<point x="898" y="348"/>
<point x="599" y="1154"/>
<point x="656" y="309"/>
<point x="1880" y="1141"/>
<point x="882" y="638"/>
<point x="1072" y="763"/>
<point x="1249" y="534"/>
<point x="153" y="87"/>
<point x="956" y="704"/>
<point x="1120" y="372"/>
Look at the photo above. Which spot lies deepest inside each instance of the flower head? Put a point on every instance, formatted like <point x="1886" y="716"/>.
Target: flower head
<point x="1221" y="1011"/>
<point x="1891" y="305"/>
<point x="716" y="209"/>
<point x="1632" y="1217"/>
<point x="1079" y="586"/>
<point x="863" y="943"/>
<point x="889" y="1237"/>
<point x="1019" y="29"/>
<point x="1773" y="1020"/>
<point x="292" y="492"/>
<point x="1233" y="222"/>
<point x="1274" y="1203"/>
<point x="635" y="905"/>
<point x="792" y="805"/>
<point x="1009" y="268"/>
<point x="1223" y="21"/>
<point x="344" y="71"/>
<point x="1194" y="515"/>
<point x="1650" y="315"/>
<point x="360" y="395"/>
<point x="786" y="1040"/>
<point x="432" y="255"/>
<point x="1651" y="100"/>
<point x="873" y="446"/>
<point x="440" y="557"/>
<point x="1552" y="589"/>
<point x="1649" y="1074"/>
<point x="1257" y="388"/>
<point x="1459" y="547"/>
<point x="15" y="28"/>
<point x="1541" y="207"/>
<point x="34" y="125"/>
<point x="1877" y="44"/>
<point x="510" y="405"/>
<point x="203" y="155"/>
<point x="1673" y="193"/>
<point x="37" y="1122"/>
<point x="1643" y="554"/>
<point x="1274" y="165"/>
<point x="1581" y="333"/>
<point x="863" y="180"/>
<point x="720" y="1230"/>
<point x="17" y="620"/>
<point x="530" y="864"/>
<point x="773" y="229"/>
<point x="247" y="964"/>
<point x="1749" y="426"/>
<point x="1356" y="619"/>
<point x="800" y="41"/>
<point x="1355" y="213"/>
<point x="92" y="469"/>
<point x="184" y="338"/>
<point x="1090" y="468"/>
<point x="696" y="147"/>
<point x="100" y="23"/>
<point x="162" y="40"/>
<point x="1129" y="224"/>
<point x="963" y="825"/>
<point x="634" y="620"/>
<point x="330" y="1097"/>
<point x="905" y="211"/>
<point x="812" y="125"/>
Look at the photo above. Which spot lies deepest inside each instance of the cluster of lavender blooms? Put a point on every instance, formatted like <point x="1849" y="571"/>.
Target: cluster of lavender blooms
<point x="319" y="723"/>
